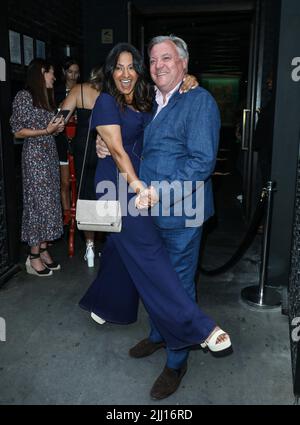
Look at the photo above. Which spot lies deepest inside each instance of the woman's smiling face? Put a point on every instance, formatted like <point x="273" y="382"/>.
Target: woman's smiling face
<point x="125" y="76"/>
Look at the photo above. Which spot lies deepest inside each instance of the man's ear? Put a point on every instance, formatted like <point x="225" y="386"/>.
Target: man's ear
<point x="185" y="65"/>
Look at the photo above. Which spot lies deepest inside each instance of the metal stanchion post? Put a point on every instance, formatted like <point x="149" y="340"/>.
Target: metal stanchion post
<point x="262" y="296"/>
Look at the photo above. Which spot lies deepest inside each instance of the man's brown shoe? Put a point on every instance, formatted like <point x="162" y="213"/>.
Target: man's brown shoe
<point x="167" y="382"/>
<point x="145" y="347"/>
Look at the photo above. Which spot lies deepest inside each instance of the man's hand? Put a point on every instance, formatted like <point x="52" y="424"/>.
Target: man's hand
<point x="147" y="198"/>
<point x="101" y="148"/>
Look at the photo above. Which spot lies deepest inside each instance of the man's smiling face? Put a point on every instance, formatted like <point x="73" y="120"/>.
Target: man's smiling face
<point x="167" y="68"/>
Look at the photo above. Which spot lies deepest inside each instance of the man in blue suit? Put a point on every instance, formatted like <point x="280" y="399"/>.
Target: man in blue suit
<point x="180" y="148"/>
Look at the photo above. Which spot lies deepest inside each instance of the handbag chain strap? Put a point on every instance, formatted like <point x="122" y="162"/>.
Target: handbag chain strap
<point x="84" y="160"/>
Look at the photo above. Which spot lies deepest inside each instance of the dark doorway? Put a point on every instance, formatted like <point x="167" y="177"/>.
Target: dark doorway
<point x="223" y="56"/>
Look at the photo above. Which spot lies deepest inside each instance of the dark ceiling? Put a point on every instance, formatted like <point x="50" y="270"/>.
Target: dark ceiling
<point x="218" y="42"/>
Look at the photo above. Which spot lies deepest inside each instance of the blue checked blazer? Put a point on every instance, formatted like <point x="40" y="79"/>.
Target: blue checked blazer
<point x="180" y="144"/>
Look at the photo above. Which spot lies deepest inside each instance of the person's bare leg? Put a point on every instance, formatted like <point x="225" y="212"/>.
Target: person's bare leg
<point x="45" y="256"/>
<point x="89" y="236"/>
<point x="89" y="253"/>
<point x="65" y="191"/>
<point x="36" y="263"/>
<point x="47" y="259"/>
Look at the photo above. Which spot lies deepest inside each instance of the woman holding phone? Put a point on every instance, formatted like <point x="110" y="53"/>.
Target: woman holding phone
<point x="33" y="119"/>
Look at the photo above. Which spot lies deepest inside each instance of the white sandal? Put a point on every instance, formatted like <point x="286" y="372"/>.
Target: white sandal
<point x="223" y="347"/>
<point x="89" y="254"/>
<point x="97" y="318"/>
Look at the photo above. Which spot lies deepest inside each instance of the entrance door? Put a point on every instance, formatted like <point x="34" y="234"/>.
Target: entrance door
<point x="250" y="112"/>
<point x="200" y="30"/>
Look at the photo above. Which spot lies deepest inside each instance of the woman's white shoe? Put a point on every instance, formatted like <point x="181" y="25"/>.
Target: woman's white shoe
<point x="89" y="254"/>
<point x="221" y="347"/>
<point x="97" y="319"/>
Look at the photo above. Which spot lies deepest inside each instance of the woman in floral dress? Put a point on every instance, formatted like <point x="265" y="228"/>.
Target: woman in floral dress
<point x="33" y="120"/>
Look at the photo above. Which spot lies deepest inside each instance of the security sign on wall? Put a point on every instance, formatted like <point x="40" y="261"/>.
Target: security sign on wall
<point x="107" y="36"/>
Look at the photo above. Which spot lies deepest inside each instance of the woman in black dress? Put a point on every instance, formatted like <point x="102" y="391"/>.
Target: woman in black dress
<point x="70" y="77"/>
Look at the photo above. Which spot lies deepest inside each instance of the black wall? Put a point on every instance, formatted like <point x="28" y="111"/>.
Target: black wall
<point x="294" y="291"/>
<point x="285" y="232"/>
<point x="8" y="217"/>
<point x="99" y="15"/>
<point x="285" y="145"/>
<point x="57" y="23"/>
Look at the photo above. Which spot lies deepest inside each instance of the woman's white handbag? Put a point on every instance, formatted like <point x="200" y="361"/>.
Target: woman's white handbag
<point x="97" y="216"/>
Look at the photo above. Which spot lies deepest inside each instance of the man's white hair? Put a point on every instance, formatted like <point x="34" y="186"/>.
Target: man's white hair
<point x="180" y="44"/>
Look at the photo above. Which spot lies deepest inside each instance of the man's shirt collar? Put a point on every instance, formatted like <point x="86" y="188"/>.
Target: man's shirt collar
<point x="159" y="97"/>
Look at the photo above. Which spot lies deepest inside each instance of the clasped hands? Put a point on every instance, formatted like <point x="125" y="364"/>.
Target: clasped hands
<point x="146" y="198"/>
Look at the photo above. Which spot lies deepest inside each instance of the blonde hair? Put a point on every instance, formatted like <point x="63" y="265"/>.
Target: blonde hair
<point x="96" y="78"/>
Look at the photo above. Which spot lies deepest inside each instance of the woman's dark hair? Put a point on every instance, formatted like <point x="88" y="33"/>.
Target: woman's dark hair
<point x="69" y="62"/>
<point x="143" y="91"/>
<point x="36" y="85"/>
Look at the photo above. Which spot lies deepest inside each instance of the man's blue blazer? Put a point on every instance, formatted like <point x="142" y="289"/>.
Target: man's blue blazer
<point x="180" y="145"/>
